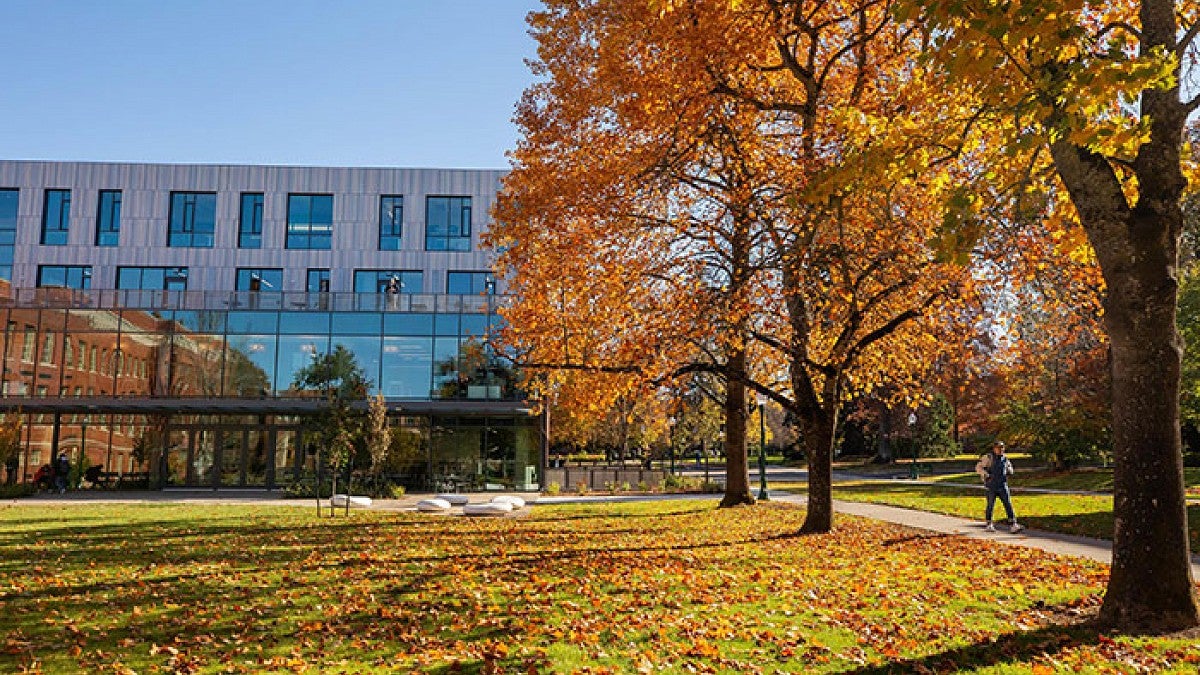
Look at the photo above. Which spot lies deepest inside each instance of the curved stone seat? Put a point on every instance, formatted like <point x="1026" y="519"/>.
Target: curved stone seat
<point x="455" y="499"/>
<point x="434" y="505"/>
<point x="517" y="502"/>
<point x="488" y="509"/>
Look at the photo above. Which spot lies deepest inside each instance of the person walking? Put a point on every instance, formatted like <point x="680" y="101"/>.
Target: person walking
<point x="62" y="470"/>
<point x="994" y="468"/>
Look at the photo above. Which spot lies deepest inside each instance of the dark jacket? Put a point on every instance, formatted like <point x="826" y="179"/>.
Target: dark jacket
<point x="995" y="470"/>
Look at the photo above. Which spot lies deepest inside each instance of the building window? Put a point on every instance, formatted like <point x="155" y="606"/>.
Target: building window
<point x="377" y="281"/>
<point x="108" y="218"/>
<point x="28" y="345"/>
<point x="310" y="221"/>
<point x="470" y="283"/>
<point x="56" y="217"/>
<point x="448" y="223"/>
<point x="193" y="219"/>
<point x="250" y="223"/>
<point x="48" y="349"/>
<point x="82" y="355"/>
<point x="68" y="353"/>
<point x="259" y="279"/>
<point x="152" y="278"/>
<point x="9" y="200"/>
<point x="391" y="222"/>
<point x="64" y="276"/>
<point x="318" y="281"/>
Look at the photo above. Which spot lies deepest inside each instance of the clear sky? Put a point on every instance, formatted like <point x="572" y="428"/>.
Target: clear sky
<point x="413" y="83"/>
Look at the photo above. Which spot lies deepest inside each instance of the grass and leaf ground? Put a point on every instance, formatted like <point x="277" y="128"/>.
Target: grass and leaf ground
<point x="674" y="586"/>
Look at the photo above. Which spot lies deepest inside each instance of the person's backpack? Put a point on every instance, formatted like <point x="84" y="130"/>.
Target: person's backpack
<point x="984" y="466"/>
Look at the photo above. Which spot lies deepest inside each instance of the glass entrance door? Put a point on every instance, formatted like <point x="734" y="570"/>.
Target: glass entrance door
<point x="232" y="444"/>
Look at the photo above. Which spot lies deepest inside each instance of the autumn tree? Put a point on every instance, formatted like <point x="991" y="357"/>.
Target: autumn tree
<point x="683" y="201"/>
<point x="1099" y="85"/>
<point x="649" y="265"/>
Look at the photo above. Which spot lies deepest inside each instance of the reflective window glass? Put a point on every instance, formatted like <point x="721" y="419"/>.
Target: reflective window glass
<point x="251" y="220"/>
<point x="366" y="354"/>
<point x="381" y="281"/>
<point x="391" y="222"/>
<point x="470" y="283"/>
<point x="448" y="223"/>
<point x="317" y="280"/>
<point x="193" y="219"/>
<point x="64" y="276"/>
<point x="310" y="221"/>
<point x="250" y="365"/>
<point x="407" y="367"/>
<point x="357" y="323"/>
<point x="408" y="324"/>
<point x="295" y="353"/>
<point x="259" y="279"/>
<point x="253" y="322"/>
<point x="298" y="323"/>
<point x="108" y="218"/>
<point x="56" y="217"/>
<point x="152" y="278"/>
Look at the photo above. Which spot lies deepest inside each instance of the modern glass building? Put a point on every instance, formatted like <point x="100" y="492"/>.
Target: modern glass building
<point x="157" y="318"/>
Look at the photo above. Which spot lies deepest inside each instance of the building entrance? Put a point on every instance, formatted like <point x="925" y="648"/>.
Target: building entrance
<point x="230" y="455"/>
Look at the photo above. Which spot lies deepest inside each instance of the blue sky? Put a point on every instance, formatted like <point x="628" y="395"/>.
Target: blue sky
<point x="415" y="83"/>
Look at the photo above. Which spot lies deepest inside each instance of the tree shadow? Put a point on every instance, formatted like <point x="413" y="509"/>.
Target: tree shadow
<point x="1006" y="648"/>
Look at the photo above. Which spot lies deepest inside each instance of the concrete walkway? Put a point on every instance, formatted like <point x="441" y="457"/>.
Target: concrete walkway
<point x="1052" y="542"/>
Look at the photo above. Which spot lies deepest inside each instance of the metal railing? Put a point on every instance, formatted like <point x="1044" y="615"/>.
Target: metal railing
<point x="160" y="300"/>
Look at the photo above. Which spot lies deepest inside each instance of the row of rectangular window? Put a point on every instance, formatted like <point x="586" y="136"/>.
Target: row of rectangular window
<point x="192" y="220"/>
<point x="265" y="279"/>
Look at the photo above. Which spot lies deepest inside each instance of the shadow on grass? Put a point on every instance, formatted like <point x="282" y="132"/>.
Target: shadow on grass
<point x="1007" y="648"/>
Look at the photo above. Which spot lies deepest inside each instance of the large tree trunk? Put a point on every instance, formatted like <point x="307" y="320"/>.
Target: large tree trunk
<point x="818" y="443"/>
<point x="737" y="472"/>
<point x="1151" y="583"/>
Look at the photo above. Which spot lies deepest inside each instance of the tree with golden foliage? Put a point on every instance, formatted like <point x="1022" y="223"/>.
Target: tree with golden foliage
<point x="664" y="217"/>
<point x="1099" y="86"/>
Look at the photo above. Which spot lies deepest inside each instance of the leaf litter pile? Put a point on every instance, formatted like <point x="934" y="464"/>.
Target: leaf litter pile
<point x="655" y="587"/>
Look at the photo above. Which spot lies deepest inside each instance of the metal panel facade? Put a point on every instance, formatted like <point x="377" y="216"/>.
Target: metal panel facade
<point x="146" y="190"/>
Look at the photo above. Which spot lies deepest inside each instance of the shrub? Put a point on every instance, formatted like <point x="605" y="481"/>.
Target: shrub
<point x="305" y="488"/>
<point x="642" y="486"/>
<point x="625" y="487"/>
<point x="581" y="487"/>
<point x="553" y="488"/>
<point x="673" y="482"/>
<point x="1061" y="438"/>
<point x="935" y="433"/>
<point x="18" y="490"/>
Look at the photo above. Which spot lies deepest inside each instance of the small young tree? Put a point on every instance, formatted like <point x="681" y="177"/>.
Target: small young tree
<point x="338" y="425"/>
<point x="379" y="437"/>
<point x="10" y="440"/>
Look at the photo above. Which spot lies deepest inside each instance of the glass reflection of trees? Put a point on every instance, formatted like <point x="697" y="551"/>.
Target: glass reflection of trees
<point x="473" y="374"/>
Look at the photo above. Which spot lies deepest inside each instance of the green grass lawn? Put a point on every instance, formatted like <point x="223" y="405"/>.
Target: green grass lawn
<point x="667" y="587"/>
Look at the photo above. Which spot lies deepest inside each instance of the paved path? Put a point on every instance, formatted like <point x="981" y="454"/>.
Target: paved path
<point x="1053" y="542"/>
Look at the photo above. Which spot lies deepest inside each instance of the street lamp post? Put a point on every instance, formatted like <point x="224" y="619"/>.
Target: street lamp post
<point x="912" y="422"/>
<point x="762" y="449"/>
<point x="671" y="443"/>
